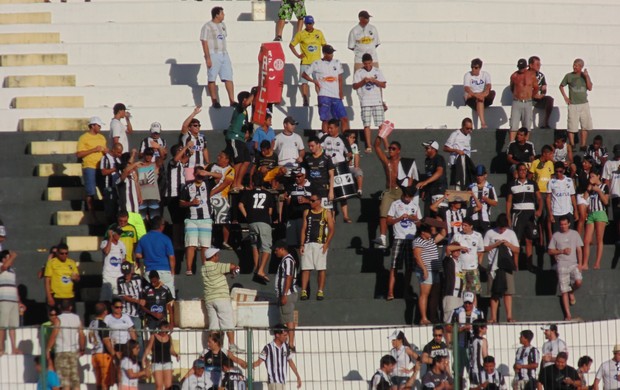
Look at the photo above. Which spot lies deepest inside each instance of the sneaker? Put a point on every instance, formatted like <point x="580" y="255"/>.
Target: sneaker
<point x="227" y="246"/>
<point x="320" y="296"/>
<point x="380" y="243"/>
<point x="278" y="38"/>
<point x="304" y="295"/>
<point x="306" y="102"/>
<point x="216" y="104"/>
<point x="235" y="349"/>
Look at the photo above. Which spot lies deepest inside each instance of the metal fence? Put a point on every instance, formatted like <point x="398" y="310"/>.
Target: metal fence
<point x="328" y="358"/>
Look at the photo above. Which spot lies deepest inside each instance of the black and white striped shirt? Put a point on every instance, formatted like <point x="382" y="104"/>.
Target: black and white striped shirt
<point x="175" y="179"/>
<point x="276" y="359"/>
<point x="190" y="192"/>
<point x="133" y="289"/>
<point x="147" y="143"/>
<point x="454" y="221"/>
<point x="286" y="269"/>
<point x="430" y="253"/>
<point x="495" y="378"/>
<point x="523" y="195"/>
<point x="200" y="144"/>
<point x="108" y="162"/>
<point x="475" y="359"/>
<point x="526" y="355"/>
<point x="595" y="200"/>
<point x="128" y="194"/>
<point x="488" y="191"/>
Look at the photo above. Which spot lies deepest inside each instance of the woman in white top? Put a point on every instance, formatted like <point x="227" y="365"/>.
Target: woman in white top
<point x="130" y="369"/>
<point x="407" y="361"/>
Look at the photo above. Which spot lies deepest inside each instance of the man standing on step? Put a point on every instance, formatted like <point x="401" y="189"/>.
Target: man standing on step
<point x="287" y="9"/>
<point x="434" y="182"/>
<point x="213" y="38"/>
<point x="524" y="87"/>
<point x="579" y="83"/>
<point x="286" y="288"/>
<point x="119" y="131"/>
<point x="317" y="232"/>
<point x="155" y="251"/>
<point x="364" y="39"/>
<point x="108" y="167"/>
<point x="553" y="346"/>
<point x="369" y="81"/>
<point x="544" y="101"/>
<point x="60" y="274"/>
<point x="310" y="41"/>
<point x="90" y="149"/>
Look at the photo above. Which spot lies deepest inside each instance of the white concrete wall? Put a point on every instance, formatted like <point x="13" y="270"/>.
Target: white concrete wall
<point x="125" y="51"/>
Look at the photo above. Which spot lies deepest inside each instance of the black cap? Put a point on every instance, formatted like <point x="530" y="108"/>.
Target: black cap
<point x="280" y="244"/>
<point x="617" y="150"/>
<point x="558" y="165"/>
<point x="125" y="267"/>
<point x="290" y="120"/>
<point x="522" y="63"/>
<point x="153" y="274"/>
<point x="328" y="49"/>
<point x="364" y="14"/>
<point x="118" y="230"/>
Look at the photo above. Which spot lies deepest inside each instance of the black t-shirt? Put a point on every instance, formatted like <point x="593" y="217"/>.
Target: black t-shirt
<point x="257" y="204"/>
<point x="213" y="359"/>
<point x="156" y="300"/>
<point x="432" y="380"/>
<point x="436" y="349"/>
<point x="295" y="210"/>
<point x="317" y="171"/>
<point x="521" y="153"/>
<point x="553" y="379"/>
<point x="430" y="167"/>
<point x="266" y="161"/>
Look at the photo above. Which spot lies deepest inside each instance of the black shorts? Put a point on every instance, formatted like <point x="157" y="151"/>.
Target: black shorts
<point x="238" y="150"/>
<point x="177" y="214"/>
<point x="543" y="102"/>
<point x="523" y="224"/>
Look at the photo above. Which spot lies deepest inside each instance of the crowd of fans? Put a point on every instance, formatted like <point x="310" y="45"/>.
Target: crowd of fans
<point x="555" y="199"/>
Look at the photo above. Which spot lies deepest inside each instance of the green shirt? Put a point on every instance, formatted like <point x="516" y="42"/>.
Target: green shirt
<point x="577" y="90"/>
<point x="214" y="281"/>
<point x="235" y="130"/>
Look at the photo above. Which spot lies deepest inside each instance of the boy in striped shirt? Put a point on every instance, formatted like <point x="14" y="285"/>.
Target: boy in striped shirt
<point x="276" y="355"/>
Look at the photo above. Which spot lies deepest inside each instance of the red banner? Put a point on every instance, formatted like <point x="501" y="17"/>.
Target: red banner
<point x="270" y="78"/>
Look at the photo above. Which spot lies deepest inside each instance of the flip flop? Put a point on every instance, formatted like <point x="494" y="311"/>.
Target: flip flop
<point x="390" y="298"/>
<point x="189" y="273"/>
<point x="573" y="301"/>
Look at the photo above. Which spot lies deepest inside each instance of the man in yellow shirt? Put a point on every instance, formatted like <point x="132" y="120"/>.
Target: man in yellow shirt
<point x="542" y="170"/>
<point x="60" y="274"/>
<point x="310" y="41"/>
<point x="90" y="149"/>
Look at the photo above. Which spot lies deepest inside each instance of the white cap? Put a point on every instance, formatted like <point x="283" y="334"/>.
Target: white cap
<point x="95" y="120"/>
<point x="394" y="334"/>
<point x="469" y="297"/>
<point x="155" y="127"/>
<point x="211" y="252"/>
<point x="432" y="144"/>
<point x="2" y="231"/>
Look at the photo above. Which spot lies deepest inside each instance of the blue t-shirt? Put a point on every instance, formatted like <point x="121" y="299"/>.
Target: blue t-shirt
<point x="51" y="382"/>
<point x="155" y="248"/>
<point x="260" y="136"/>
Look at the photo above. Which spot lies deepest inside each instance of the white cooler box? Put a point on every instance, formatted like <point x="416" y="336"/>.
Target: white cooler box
<point x="190" y="314"/>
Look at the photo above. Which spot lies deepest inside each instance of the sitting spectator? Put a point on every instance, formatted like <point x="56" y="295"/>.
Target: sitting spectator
<point x="11" y="306"/>
<point x="553" y="345"/>
<point x="121" y="329"/>
<point x="426" y="256"/>
<point x="459" y="144"/>
<point x="114" y="253"/>
<point x="478" y="351"/>
<point x="438" y="377"/>
<point x="562" y="153"/>
<point x="160" y="345"/>
<point x="277" y="356"/>
<point x="566" y="246"/>
<point x="490" y="378"/>
<point x="478" y="92"/>
<point x="52" y="382"/>
<point x="263" y="133"/>
<point x="60" y="274"/>
<point x="559" y="376"/>
<point x="597" y="151"/>
<point x="597" y="218"/>
<point x="527" y="359"/>
<point x="102" y="353"/>
<point x="199" y="378"/>
<point x="148" y="177"/>
<point x="257" y="207"/>
<point x="382" y="380"/>
<point x="223" y="174"/>
<point x="407" y="366"/>
<point x="354" y="163"/>
<point x="130" y="372"/>
<point x="542" y="101"/>
<point x="403" y="216"/>
<point x="520" y="151"/>
<point x="484" y="197"/>
<point x="155" y="142"/>
<point x="501" y="242"/>
<point x="157" y="303"/>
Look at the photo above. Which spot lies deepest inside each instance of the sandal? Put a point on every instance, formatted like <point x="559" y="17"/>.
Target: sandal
<point x="189" y="273"/>
<point x="368" y="150"/>
<point x="261" y="279"/>
<point x="347" y="220"/>
<point x="390" y="298"/>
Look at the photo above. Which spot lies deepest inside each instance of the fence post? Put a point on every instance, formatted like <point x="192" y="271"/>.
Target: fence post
<point x="457" y="357"/>
<point x="43" y="360"/>
<point x="248" y="348"/>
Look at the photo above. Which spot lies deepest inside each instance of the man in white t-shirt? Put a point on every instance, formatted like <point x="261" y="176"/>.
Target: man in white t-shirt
<point x="69" y="342"/>
<point x="561" y="201"/>
<point x="403" y="215"/>
<point x="119" y="131"/>
<point x="368" y="82"/>
<point x="567" y="247"/>
<point x="364" y="39"/>
<point x="472" y="250"/>
<point x="289" y="146"/>
<point x="459" y="142"/>
<point x="553" y="346"/>
<point x="326" y="74"/>
<point x="608" y="373"/>
<point x="493" y="239"/>
<point x="478" y="92"/>
<point x="114" y="252"/>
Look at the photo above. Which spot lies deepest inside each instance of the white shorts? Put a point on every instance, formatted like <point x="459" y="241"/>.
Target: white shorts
<point x="220" y="66"/>
<point x="161" y="366"/>
<point x="579" y="113"/>
<point x="220" y="314"/>
<point x="581" y="200"/>
<point x="168" y="280"/>
<point x="313" y="257"/>
<point x="567" y="276"/>
<point x="9" y="315"/>
<point x="302" y="69"/>
<point x="109" y="289"/>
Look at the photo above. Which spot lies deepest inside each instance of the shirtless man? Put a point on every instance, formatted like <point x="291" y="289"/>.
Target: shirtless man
<point x="394" y="179"/>
<point x="524" y="87"/>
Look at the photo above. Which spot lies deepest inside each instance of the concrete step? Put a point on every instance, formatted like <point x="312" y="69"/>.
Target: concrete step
<point x="52" y="124"/>
<point x="83" y="243"/>
<point x="22" y="59"/>
<point x="64" y="193"/>
<point x="47" y="101"/>
<point x="53" y="147"/>
<point x="75" y="218"/>
<point x="25" y="17"/>
<point x="67" y="169"/>
<point x="29" y="38"/>
<point x="36" y="80"/>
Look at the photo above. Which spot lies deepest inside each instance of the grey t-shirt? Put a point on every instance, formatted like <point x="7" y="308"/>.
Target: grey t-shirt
<point x="570" y="239"/>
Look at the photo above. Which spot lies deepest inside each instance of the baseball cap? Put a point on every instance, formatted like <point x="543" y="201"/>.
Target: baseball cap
<point x="153" y="274"/>
<point x="433" y="144"/>
<point x="95" y="120"/>
<point x="211" y="252"/>
<point x="364" y="14"/>
<point x="328" y="49"/>
<point x="481" y="170"/>
<point x="617" y="150"/>
<point x="155" y="127"/>
<point x="457" y="199"/>
<point x="299" y="171"/>
<point x="199" y="363"/>
<point x="125" y="267"/>
<point x="290" y="120"/>
<point x="469" y="297"/>
<point x="552" y="327"/>
<point x="308" y="19"/>
<point x="558" y="165"/>
<point x="394" y="334"/>
<point x="521" y="64"/>
<point x="280" y="244"/>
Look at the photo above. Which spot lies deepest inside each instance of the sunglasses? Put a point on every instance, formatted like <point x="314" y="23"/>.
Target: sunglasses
<point x="314" y="200"/>
<point x="196" y="125"/>
<point x="393" y="148"/>
<point x="117" y="307"/>
<point x="63" y="253"/>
